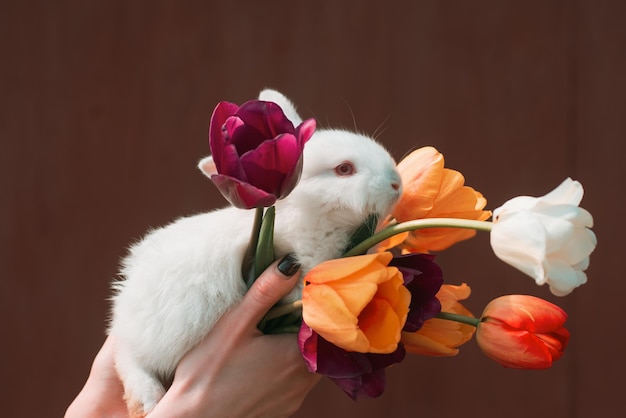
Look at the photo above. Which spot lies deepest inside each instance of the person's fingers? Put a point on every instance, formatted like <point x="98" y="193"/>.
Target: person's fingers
<point x="275" y="283"/>
<point x="103" y="362"/>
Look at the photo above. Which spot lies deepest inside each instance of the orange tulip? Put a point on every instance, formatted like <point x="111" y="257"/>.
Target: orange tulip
<point x="432" y="191"/>
<point x="357" y="303"/>
<point x="440" y="337"/>
<point x="522" y="331"/>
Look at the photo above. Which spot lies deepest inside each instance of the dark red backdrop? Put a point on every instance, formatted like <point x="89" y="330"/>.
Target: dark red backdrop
<point x="104" y="112"/>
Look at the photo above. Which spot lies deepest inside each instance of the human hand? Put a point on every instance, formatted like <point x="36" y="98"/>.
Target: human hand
<point x="102" y="395"/>
<point x="236" y="371"/>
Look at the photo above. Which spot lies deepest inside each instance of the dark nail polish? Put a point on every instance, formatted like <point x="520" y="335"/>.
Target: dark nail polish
<point x="288" y="265"/>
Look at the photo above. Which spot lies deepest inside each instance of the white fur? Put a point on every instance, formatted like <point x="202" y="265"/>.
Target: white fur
<point x="181" y="278"/>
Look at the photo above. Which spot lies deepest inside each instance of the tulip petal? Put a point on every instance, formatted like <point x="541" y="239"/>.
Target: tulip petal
<point x="555" y="342"/>
<point x="333" y="361"/>
<point x="518" y="204"/>
<point x="582" y="243"/>
<point x="520" y="241"/>
<point x="452" y="193"/>
<point x="570" y="213"/>
<point x="526" y="312"/>
<point x="225" y="153"/>
<point x="332" y="269"/>
<point x="240" y="194"/>
<point x="421" y="173"/>
<point x="439" y="337"/>
<point x="370" y="385"/>
<point x="355" y="295"/>
<point x="425" y="344"/>
<point x="217" y="142"/>
<point x="246" y="139"/>
<point x="357" y="374"/>
<point x="435" y="239"/>
<point x="522" y="331"/>
<point x="449" y="295"/>
<point x="393" y="290"/>
<point x="423" y="278"/>
<point x="556" y="232"/>
<point x="381" y="325"/>
<point x="564" y="278"/>
<point x="512" y="348"/>
<point x="582" y="265"/>
<point x="267" y="118"/>
<point x="569" y="192"/>
<point x="307" y="342"/>
<point x="228" y="164"/>
<point x="328" y="315"/>
<point x="336" y="362"/>
<point x="269" y="165"/>
<point x="430" y="190"/>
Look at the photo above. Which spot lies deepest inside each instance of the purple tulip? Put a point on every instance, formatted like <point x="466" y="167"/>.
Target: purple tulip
<point x="363" y="374"/>
<point x="257" y="152"/>
<point x="423" y="278"/>
<point x="357" y="374"/>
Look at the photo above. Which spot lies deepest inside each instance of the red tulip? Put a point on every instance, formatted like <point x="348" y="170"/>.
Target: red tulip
<point x="523" y="332"/>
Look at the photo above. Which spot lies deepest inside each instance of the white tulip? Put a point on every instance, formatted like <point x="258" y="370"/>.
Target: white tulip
<point x="548" y="237"/>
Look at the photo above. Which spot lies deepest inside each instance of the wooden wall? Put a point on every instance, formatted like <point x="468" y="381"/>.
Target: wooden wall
<point x="104" y="108"/>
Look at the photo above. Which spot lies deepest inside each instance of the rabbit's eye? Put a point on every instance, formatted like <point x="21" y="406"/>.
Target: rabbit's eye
<point x="345" y="169"/>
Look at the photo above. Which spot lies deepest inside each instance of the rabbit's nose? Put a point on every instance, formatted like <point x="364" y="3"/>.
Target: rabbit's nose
<point x="395" y="186"/>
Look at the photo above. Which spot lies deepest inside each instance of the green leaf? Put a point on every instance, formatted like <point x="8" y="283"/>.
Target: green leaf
<point x="365" y="231"/>
<point x="247" y="267"/>
<point x="265" y="246"/>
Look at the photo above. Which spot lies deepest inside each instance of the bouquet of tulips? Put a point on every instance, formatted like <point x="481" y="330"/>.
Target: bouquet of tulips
<point x="386" y="296"/>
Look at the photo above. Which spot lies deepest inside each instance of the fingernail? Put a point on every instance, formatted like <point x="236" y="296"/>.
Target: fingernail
<point x="288" y="265"/>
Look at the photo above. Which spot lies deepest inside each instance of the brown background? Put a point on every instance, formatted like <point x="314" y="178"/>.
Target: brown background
<point x="104" y="112"/>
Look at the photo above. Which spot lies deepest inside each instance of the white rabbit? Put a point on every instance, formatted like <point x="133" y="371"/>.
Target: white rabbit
<point x="181" y="278"/>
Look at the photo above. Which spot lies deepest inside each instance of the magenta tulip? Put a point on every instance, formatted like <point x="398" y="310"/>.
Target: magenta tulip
<point x="257" y="152"/>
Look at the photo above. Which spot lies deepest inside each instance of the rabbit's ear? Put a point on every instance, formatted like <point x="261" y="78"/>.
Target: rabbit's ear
<point x="207" y="166"/>
<point x="269" y="95"/>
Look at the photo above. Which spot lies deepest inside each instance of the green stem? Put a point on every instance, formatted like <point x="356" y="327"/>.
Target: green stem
<point x="287" y="329"/>
<point x="459" y="318"/>
<point x="248" y="258"/>
<point x="280" y="310"/>
<point x="414" y="225"/>
<point x="256" y="226"/>
<point x="264" y="255"/>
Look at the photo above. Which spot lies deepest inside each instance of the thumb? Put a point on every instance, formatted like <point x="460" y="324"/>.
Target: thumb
<point x="271" y="286"/>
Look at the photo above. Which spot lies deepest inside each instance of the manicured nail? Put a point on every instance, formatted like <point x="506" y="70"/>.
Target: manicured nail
<point x="288" y="265"/>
